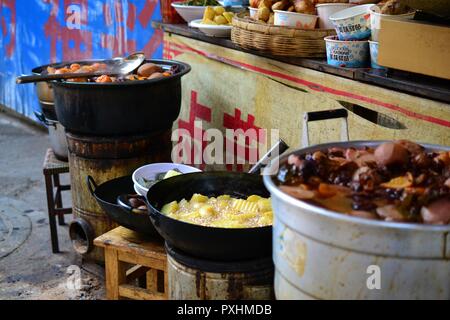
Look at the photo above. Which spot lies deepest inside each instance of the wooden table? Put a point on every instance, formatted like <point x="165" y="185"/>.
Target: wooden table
<point x="130" y="257"/>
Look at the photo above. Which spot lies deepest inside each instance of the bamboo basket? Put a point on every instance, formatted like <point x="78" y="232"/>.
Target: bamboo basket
<point x="279" y="41"/>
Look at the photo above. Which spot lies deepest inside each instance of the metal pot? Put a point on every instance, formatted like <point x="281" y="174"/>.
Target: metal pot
<point x="57" y="136"/>
<point x="45" y="95"/>
<point x="217" y="244"/>
<point x="321" y="254"/>
<point x="120" y="108"/>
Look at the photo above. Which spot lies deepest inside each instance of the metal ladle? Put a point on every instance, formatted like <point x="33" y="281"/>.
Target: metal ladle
<point x="117" y="66"/>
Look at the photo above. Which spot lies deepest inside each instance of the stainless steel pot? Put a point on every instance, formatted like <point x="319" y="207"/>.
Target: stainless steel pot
<point x="45" y="95"/>
<point x="321" y="254"/>
<point x="57" y="136"/>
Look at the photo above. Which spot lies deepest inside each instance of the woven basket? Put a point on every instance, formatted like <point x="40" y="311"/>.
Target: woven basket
<point x="279" y="41"/>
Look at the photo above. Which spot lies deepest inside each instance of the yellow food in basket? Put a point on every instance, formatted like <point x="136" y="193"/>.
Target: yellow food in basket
<point x="222" y="211"/>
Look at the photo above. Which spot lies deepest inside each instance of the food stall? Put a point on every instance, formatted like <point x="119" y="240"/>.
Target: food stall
<point x="358" y="208"/>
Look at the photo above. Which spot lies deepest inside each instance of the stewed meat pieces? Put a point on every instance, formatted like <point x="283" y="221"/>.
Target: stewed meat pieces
<point x="397" y="181"/>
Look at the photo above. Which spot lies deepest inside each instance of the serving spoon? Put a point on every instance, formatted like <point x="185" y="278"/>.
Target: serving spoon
<point x="116" y="66"/>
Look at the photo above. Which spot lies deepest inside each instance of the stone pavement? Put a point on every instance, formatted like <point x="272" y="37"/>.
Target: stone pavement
<point x="28" y="269"/>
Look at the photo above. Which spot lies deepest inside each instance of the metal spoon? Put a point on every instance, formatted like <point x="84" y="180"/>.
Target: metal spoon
<point x="117" y="66"/>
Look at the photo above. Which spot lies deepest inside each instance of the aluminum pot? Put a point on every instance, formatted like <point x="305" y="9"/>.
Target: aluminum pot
<point x="45" y="95"/>
<point x="57" y="136"/>
<point x="321" y="254"/>
<point x="120" y="108"/>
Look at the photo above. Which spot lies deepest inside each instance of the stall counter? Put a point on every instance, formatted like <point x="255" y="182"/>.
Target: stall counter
<point x="232" y="88"/>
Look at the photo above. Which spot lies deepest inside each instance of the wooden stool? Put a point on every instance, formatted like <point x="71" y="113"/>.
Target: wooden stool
<point x="146" y="256"/>
<point x="52" y="168"/>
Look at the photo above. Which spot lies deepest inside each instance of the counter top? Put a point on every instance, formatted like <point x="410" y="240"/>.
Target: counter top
<point x="411" y="83"/>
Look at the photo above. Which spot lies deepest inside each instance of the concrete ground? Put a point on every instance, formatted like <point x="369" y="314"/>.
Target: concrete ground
<point x="28" y="268"/>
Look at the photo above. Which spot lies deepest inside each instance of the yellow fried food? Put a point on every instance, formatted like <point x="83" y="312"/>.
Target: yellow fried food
<point x="219" y="10"/>
<point x="209" y="14"/>
<point x="222" y="211"/>
<point x="229" y="16"/>
<point x="220" y="20"/>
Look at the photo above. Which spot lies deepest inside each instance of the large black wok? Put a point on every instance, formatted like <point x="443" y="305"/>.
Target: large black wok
<point x="106" y="195"/>
<point x="120" y="108"/>
<point x="219" y="244"/>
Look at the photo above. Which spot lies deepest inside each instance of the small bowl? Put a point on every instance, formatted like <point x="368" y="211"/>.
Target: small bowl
<point x="189" y="13"/>
<point x="294" y="19"/>
<point x="325" y="10"/>
<point x="348" y="54"/>
<point x="150" y="171"/>
<point x="373" y="45"/>
<point x="220" y="31"/>
<point x="253" y="12"/>
<point x="352" y="23"/>
<point x="376" y="17"/>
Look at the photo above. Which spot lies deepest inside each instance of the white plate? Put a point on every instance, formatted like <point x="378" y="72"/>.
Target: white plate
<point x="189" y="13"/>
<point x="221" y="31"/>
<point x="150" y="171"/>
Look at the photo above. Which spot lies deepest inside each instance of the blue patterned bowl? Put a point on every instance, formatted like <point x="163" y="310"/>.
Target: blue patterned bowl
<point x="352" y="23"/>
<point x="349" y="54"/>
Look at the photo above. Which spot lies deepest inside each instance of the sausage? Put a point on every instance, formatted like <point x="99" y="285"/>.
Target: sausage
<point x="390" y="153"/>
<point x="438" y="212"/>
<point x="147" y="69"/>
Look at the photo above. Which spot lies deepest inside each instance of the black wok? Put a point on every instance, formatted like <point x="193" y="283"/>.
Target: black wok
<point x="120" y="108"/>
<point x="106" y="195"/>
<point x="219" y="244"/>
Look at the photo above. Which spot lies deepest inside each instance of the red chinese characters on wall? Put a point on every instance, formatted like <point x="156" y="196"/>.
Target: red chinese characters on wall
<point x="197" y="141"/>
<point x="77" y="39"/>
<point x="8" y="28"/>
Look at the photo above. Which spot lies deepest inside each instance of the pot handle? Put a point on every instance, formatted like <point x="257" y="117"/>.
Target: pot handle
<point x="92" y="186"/>
<point x="40" y="116"/>
<point x="122" y="200"/>
<point x="324" y="115"/>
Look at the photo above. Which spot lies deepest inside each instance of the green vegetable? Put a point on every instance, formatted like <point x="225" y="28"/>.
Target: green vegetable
<point x="202" y="3"/>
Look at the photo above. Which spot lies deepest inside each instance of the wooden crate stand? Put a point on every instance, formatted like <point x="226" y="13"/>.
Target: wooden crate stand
<point x="129" y="259"/>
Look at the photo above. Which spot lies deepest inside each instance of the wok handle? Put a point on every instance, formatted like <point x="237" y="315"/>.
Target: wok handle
<point x="324" y="115"/>
<point x="122" y="200"/>
<point x="92" y="186"/>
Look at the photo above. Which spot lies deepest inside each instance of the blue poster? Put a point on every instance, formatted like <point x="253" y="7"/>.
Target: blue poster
<point x="38" y="32"/>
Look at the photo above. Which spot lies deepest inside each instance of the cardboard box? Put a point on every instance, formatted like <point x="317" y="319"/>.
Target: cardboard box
<point x="415" y="46"/>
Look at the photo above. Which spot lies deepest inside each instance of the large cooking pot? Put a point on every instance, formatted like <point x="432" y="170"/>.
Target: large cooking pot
<point x="321" y="254"/>
<point x="218" y="244"/>
<point x="45" y="94"/>
<point x="120" y="108"/>
<point x="57" y="136"/>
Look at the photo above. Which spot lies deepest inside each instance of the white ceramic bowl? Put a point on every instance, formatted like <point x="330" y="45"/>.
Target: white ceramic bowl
<point x="325" y="10"/>
<point x="150" y="171"/>
<point x="220" y="31"/>
<point x="189" y="13"/>
<point x="294" y="19"/>
<point x="376" y="17"/>
<point x="352" y="23"/>
<point x="253" y="12"/>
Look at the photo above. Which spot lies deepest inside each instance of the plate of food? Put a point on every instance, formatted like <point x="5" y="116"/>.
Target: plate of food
<point x="193" y="9"/>
<point x="216" y="22"/>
